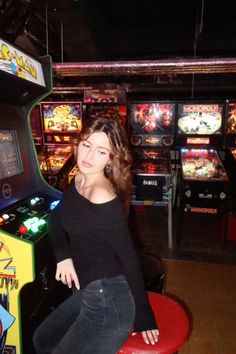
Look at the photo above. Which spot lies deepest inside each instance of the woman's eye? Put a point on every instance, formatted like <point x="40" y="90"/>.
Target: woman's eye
<point x="85" y="145"/>
<point x="102" y="152"/>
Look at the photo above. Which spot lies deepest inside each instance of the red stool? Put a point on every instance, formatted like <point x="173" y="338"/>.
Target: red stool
<point x="174" y="328"/>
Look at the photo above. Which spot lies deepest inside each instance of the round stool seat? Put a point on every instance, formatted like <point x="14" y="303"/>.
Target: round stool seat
<point x="173" y="325"/>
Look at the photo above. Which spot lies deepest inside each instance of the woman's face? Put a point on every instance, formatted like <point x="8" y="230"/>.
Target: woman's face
<point x="93" y="153"/>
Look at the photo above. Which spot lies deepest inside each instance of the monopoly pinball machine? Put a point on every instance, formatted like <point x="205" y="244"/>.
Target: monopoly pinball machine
<point x="151" y="131"/>
<point x="203" y="182"/>
<point x="61" y="122"/>
<point x="28" y="289"/>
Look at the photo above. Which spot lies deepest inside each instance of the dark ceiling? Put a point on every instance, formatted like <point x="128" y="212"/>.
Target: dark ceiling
<point x="115" y="30"/>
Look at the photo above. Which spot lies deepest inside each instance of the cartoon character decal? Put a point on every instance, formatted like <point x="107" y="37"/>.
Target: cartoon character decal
<point x="7" y="274"/>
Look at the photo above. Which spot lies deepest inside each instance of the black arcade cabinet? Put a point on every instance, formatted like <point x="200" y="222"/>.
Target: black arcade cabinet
<point x="28" y="291"/>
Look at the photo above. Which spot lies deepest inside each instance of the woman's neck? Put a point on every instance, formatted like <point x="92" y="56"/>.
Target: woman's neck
<point x="88" y="181"/>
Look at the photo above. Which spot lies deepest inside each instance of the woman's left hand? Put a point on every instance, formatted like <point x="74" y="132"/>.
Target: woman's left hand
<point x="150" y="336"/>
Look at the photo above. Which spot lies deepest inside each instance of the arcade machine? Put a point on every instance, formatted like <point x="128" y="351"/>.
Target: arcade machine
<point x="28" y="290"/>
<point x="151" y="130"/>
<point x="53" y="161"/>
<point x="230" y="164"/>
<point x="203" y="184"/>
<point x="61" y="123"/>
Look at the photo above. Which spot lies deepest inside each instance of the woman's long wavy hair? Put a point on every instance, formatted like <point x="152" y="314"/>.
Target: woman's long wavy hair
<point x="118" y="171"/>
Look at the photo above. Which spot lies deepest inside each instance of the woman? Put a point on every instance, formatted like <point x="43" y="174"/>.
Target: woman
<point x="94" y="253"/>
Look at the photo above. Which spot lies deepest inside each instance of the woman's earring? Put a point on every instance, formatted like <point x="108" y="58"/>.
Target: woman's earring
<point x="108" y="168"/>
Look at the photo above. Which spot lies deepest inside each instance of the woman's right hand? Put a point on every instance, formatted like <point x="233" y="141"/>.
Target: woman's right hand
<point x="66" y="273"/>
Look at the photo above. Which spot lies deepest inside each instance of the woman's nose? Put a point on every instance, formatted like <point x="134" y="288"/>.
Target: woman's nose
<point x="90" y="154"/>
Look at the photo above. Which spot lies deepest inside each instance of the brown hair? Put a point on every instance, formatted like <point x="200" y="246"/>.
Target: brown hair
<point x="119" y="172"/>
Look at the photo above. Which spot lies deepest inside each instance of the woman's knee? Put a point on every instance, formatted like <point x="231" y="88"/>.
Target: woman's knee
<point x="40" y="342"/>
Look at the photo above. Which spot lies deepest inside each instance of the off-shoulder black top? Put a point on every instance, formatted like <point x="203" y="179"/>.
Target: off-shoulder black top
<point x="96" y="237"/>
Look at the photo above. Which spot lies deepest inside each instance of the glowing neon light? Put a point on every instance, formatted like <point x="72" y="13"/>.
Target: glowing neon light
<point x="34" y="224"/>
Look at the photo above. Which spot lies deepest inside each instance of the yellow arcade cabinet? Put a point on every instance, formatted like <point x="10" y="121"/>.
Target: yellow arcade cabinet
<point x="28" y="290"/>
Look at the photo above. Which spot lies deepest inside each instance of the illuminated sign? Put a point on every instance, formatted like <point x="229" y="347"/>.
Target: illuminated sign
<point x="152" y="139"/>
<point x="34" y="224"/>
<point x="17" y="63"/>
<point x="203" y="210"/>
<point x="198" y="141"/>
<point x="199" y="119"/>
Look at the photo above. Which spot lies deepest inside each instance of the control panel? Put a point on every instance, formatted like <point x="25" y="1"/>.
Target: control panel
<point x="28" y="219"/>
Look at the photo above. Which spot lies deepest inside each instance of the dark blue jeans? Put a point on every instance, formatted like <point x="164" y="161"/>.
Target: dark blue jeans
<point x="94" y="320"/>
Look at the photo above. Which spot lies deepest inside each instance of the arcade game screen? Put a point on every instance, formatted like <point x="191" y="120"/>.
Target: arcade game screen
<point x="202" y="164"/>
<point x="107" y="111"/>
<point x="152" y="118"/>
<point x="231" y="119"/>
<point x="199" y="119"/>
<point x="10" y="161"/>
<point x="60" y="119"/>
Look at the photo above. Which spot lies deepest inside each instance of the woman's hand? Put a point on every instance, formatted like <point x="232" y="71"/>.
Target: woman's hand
<point x="66" y="273"/>
<point x="150" y="336"/>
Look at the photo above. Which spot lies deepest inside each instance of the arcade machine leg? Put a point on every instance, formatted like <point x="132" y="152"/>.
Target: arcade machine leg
<point x="224" y="225"/>
<point x="180" y="219"/>
<point x="170" y="222"/>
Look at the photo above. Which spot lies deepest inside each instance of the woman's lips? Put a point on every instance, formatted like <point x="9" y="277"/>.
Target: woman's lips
<point x="86" y="164"/>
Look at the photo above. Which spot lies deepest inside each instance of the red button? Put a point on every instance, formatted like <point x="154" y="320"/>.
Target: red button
<point x="22" y="229"/>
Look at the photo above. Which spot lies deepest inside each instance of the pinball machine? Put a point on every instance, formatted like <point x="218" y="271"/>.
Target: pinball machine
<point x="28" y="290"/>
<point x="61" y="122"/>
<point x="230" y="150"/>
<point x="230" y="164"/>
<point x="203" y="182"/>
<point x="54" y="161"/>
<point x="151" y="131"/>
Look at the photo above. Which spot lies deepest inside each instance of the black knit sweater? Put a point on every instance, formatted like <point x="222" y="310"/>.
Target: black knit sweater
<point x="97" y="238"/>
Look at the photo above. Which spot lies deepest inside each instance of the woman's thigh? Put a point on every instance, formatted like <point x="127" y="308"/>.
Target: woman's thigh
<point x="105" y="320"/>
